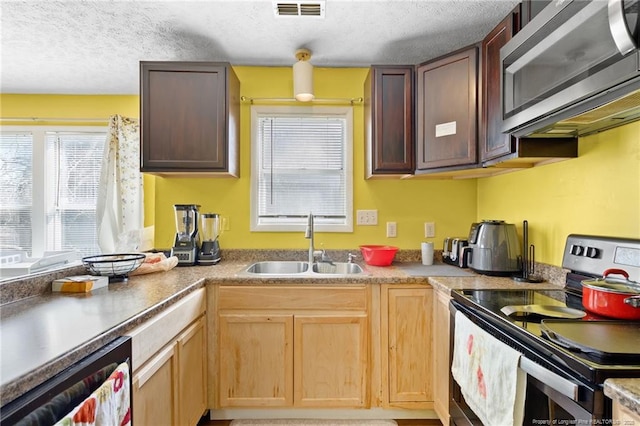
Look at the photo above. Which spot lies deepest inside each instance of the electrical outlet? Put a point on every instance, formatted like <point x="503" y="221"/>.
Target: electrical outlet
<point x="391" y="230"/>
<point x="429" y="229"/>
<point x="367" y="217"/>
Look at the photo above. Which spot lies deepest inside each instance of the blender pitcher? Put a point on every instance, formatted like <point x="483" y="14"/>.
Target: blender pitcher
<point x="187" y="240"/>
<point x="210" y="251"/>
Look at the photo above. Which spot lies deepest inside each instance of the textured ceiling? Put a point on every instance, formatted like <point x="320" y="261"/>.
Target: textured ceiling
<point x="78" y="47"/>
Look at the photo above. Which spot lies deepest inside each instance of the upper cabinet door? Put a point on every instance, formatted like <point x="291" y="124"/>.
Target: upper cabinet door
<point x="494" y="143"/>
<point x="190" y="113"/>
<point x="447" y="111"/>
<point x="389" y="120"/>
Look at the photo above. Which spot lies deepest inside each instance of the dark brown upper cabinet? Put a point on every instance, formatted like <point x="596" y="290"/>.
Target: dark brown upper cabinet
<point x="388" y="116"/>
<point x="446" y="112"/>
<point x="530" y="8"/>
<point x="494" y="143"/>
<point x="190" y="118"/>
<point x="497" y="148"/>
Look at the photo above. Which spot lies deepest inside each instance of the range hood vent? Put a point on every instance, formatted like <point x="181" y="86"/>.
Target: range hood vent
<point x="299" y="8"/>
<point x="613" y="114"/>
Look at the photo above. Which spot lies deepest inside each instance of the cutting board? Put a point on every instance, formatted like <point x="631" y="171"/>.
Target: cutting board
<point x="435" y="270"/>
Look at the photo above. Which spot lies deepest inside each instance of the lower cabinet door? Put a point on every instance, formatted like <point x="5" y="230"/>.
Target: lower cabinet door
<point x="154" y="390"/>
<point x="406" y="330"/>
<point x="441" y="355"/>
<point x="192" y="358"/>
<point x="330" y="360"/>
<point x="256" y="359"/>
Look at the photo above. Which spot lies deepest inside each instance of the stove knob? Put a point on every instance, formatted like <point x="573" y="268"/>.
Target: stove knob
<point x="577" y="250"/>
<point x="593" y="252"/>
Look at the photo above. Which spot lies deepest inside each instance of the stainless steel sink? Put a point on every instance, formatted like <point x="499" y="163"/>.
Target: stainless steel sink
<point x="339" y="268"/>
<point x="289" y="268"/>
<point x="278" y="268"/>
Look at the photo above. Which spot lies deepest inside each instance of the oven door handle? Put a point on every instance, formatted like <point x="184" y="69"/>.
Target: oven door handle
<point x="554" y="381"/>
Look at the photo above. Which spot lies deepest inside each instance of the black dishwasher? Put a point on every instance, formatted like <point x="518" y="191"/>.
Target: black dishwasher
<point x="52" y="400"/>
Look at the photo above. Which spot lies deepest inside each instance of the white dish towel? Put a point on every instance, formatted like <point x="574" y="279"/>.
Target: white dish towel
<point x="487" y="371"/>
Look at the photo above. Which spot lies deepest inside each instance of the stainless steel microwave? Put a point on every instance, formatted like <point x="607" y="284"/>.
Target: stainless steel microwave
<point x="573" y="70"/>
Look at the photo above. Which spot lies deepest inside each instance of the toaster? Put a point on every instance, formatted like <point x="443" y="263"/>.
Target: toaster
<point x="493" y="248"/>
<point x="453" y="251"/>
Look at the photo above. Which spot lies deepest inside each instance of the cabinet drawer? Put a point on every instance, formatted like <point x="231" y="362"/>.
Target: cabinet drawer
<point x="293" y="297"/>
<point x="150" y="337"/>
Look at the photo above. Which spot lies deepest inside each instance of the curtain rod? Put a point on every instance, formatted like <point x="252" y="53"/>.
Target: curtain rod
<point x="351" y="101"/>
<point x="47" y="119"/>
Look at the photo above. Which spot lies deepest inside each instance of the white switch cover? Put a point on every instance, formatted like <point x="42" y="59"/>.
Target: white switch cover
<point x="429" y="229"/>
<point x="391" y="230"/>
<point x="366" y="217"/>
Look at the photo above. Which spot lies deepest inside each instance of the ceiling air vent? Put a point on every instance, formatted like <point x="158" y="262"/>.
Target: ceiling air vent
<point x="299" y="8"/>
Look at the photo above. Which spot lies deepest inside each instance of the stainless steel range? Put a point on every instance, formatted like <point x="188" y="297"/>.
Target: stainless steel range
<point x="567" y="351"/>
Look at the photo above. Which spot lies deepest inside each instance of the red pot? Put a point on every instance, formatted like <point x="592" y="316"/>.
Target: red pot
<point x="613" y="298"/>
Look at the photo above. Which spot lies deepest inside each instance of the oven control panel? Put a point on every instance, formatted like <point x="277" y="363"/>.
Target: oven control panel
<point x="593" y="255"/>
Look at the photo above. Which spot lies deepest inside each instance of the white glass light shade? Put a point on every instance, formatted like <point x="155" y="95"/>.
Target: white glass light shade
<point x="303" y="81"/>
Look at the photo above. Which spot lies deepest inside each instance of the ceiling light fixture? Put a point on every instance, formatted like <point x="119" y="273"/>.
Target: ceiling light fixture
<point x="303" y="76"/>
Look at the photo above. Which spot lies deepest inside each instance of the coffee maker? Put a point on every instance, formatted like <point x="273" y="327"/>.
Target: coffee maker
<point x="187" y="242"/>
<point x="210" y="251"/>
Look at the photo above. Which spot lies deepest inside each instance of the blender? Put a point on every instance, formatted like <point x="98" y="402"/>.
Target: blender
<point x="210" y="251"/>
<point x="187" y="240"/>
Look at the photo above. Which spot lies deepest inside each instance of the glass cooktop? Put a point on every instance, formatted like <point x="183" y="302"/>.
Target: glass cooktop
<point x="527" y="311"/>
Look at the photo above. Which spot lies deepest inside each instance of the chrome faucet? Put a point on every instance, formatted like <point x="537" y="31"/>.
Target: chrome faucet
<point x="308" y="233"/>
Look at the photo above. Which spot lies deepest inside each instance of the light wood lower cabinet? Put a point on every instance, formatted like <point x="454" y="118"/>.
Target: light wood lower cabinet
<point x="256" y="360"/>
<point x="441" y="355"/>
<point x="330" y="360"/>
<point x="291" y="346"/>
<point x="154" y="390"/>
<point x="406" y="333"/>
<point x="623" y="415"/>
<point x="169" y="360"/>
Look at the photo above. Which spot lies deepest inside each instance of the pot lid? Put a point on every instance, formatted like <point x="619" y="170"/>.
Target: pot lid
<point x="609" y="286"/>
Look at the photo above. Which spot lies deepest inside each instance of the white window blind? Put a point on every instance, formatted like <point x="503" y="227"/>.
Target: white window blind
<point x="74" y="163"/>
<point x="48" y="188"/>
<point x="16" y="177"/>
<point x="302" y="164"/>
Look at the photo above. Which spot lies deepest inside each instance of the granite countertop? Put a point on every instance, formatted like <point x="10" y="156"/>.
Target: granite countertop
<point x="624" y="391"/>
<point x="44" y="333"/>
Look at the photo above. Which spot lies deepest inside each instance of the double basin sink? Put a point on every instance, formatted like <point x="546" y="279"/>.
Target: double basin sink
<point x="292" y="269"/>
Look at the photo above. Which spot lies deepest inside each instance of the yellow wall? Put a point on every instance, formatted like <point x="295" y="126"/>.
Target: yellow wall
<point x="68" y="106"/>
<point x="450" y="204"/>
<point x="597" y="193"/>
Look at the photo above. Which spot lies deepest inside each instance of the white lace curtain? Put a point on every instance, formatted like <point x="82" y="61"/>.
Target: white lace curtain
<point x="120" y="206"/>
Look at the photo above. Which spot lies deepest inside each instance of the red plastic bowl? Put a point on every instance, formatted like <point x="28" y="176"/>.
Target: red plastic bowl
<point x="378" y="255"/>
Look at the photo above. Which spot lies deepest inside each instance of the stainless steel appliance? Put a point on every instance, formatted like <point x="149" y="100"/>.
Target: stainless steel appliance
<point x="209" y="253"/>
<point x="573" y="70"/>
<point x="52" y="400"/>
<point x="187" y="241"/>
<point x="566" y="362"/>
<point x="493" y="248"/>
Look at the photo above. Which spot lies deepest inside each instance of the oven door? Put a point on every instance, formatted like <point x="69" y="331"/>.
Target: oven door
<point x="567" y="61"/>
<point x="551" y="394"/>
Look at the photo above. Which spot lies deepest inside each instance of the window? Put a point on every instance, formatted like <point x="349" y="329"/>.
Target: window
<point x="301" y="163"/>
<point x="48" y="188"/>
